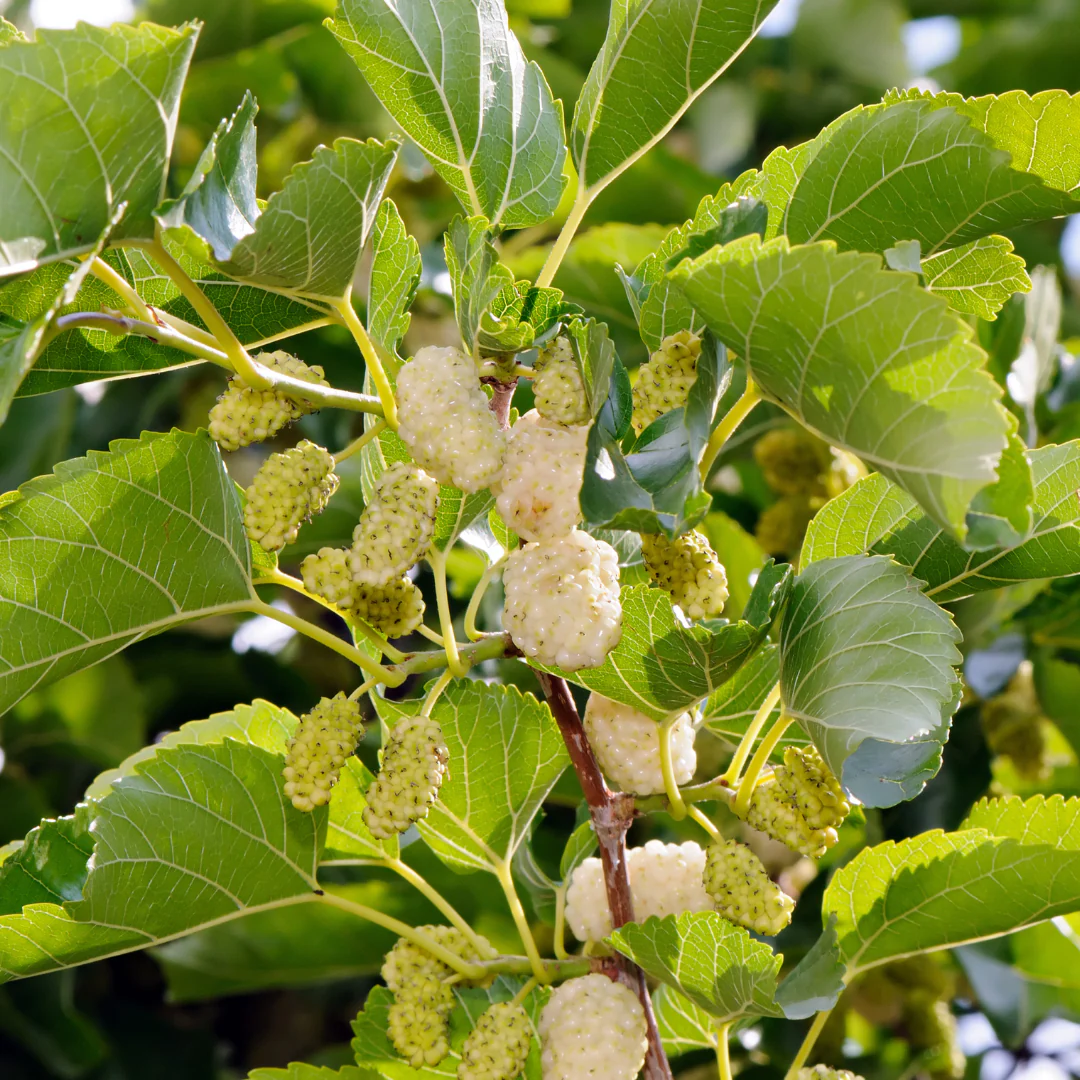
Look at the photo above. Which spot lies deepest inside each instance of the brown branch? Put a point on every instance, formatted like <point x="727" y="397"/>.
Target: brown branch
<point x="502" y="395"/>
<point x="612" y="813"/>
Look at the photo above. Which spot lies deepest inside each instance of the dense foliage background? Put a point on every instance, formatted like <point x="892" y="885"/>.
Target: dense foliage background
<point x="258" y="992"/>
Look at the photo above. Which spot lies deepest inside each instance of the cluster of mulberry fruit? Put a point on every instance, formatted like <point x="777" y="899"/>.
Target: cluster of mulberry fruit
<point x="288" y="489"/>
<point x="742" y="890"/>
<point x="324" y="740"/>
<point x="558" y="388"/>
<point x="244" y="415"/>
<point x="688" y="570"/>
<point x="664" y="382"/>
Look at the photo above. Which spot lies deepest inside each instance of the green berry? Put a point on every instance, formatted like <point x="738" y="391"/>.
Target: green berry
<point x="931" y="1027"/>
<point x="665" y="380"/>
<point x="497" y="1047"/>
<point x="1013" y="725"/>
<point x="288" y="489"/>
<point x="823" y="1072"/>
<point x="413" y="767"/>
<point x="813" y="788"/>
<point x="395" y="610"/>
<point x="781" y="527"/>
<point x="419" y="1033"/>
<point x="773" y="812"/>
<point x="689" y="571"/>
<point x="558" y="388"/>
<point x="742" y="891"/>
<point x="395" y="527"/>
<point x="793" y="461"/>
<point x="244" y="415"/>
<point x="327" y="575"/>
<point x="324" y="739"/>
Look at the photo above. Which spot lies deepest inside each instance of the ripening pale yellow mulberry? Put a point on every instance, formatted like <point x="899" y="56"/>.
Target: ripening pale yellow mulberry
<point x="558" y="388"/>
<point x="742" y="890"/>
<point x="324" y="740"/>
<point x="665" y="380"/>
<point x="688" y="570"/>
<point x="288" y="489"/>
<point x="497" y="1047"/>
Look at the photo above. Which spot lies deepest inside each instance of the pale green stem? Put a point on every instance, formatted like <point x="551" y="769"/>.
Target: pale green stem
<point x="433" y="695"/>
<point x="363" y="688"/>
<point x="726" y="428"/>
<point x="562" y="241"/>
<point x="488" y="648"/>
<point x="122" y="287"/>
<point x="477" y="598"/>
<point x="723" y="1054"/>
<point x="437" y="561"/>
<point x="525" y="991"/>
<point x="360" y="442"/>
<point x="703" y="820"/>
<point x="506" y="880"/>
<point x="746" y="743"/>
<point x="807" y="1045"/>
<point x="371" y="357"/>
<point x="676" y="806"/>
<point x="560" y="924"/>
<point x="758" y="763"/>
<point x="432" y="635"/>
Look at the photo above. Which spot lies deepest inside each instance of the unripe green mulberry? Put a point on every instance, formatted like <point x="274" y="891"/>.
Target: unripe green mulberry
<point x="407" y="966"/>
<point x="664" y="382"/>
<point x="781" y="527"/>
<point x="1013" y="725"/>
<point x="288" y="489"/>
<point x="327" y="575"/>
<point x="395" y="527"/>
<point x="395" y="610"/>
<point x="793" y="461"/>
<point x="823" y="1072"/>
<point x="324" y="740"/>
<point x="558" y="389"/>
<point x="419" y="1033"/>
<point x="413" y="767"/>
<point x="774" y="812"/>
<point x="742" y="891"/>
<point x="689" y="571"/>
<point x="497" y="1047"/>
<point x="813" y="788"/>
<point x="931" y="1026"/>
<point x="244" y="415"/>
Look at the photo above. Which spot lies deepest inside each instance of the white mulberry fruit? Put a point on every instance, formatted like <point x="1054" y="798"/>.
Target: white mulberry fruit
<point x="244" y="415"/>
<point x="445" y="421"/>
<point x="665" y="380"/>
<point x="592" y="1027"/>
<point x="688" y="570"/>
<point x="324" y="740"/>
<point x="288" y="489"/>
<point x="562" y="600"/>
<point x="497" y="1047"/>
<point x="327" y="575"/>
<point x="395" y="527"/>
<point x="537" y="492"/>
<point x="558" y="388"/>
<point x="627" y="745"/>
<point x="413" y="767"/>
<point x="665" y="879"/>
<point x="394" y="610"/>
<point x="742" y="890"/>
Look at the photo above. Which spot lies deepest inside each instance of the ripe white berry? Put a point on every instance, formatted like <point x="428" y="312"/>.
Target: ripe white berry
<point x="562" y="600"/>
<point x="689" y="571"/>
<point x="325" y="738"/>
<point x="665" y="879"/>
<point x="413" y="767"/>
<point x="737" y="881"/>
<point x="590" y="1028"/>
<point x="244" y="415"/>
<point x="445" y="421"/>
<point x="288" y="489"/>
<point x="395" y="527"/>
<point x="558" y="387"/>
<point x="665" y="380"/>
<point x="395" y="609"/>
<point x="497" y="1047"/>
<point x="627" y="745"/>
<point x="541" y="478"/>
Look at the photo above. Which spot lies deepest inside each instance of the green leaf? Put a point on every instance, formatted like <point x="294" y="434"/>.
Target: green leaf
<point x="581" y="845"/>
<point x="476" y="275"/>
<point x="817" y="981"/>
<point x="9" y="32"/>
<point x="485" y="804"/>
<point x="1001" y="515"/>
<point x="1057" y="683"/>
<point x="1013" y="863"/>
<point x="661" y="666"/>
<point x="655" y="60"/>
<point x="347" y="837"/>
<point x="876" y="516"/>
<point x="86" y="126"/>
<point x="78" y="582"/>
<point x="456" y="80"/>
<point x="683" y="1026"/>
<point x="977" y="278"/>
<point x="395" y="274"/>
<point x="714" y="963"/>
<point x="594" y="351"/>
<point x="310" y="236"/>
<point x="520" y="316"/>
<point x="543" y="892"/>
<point x="864" y="358"/>
<point x="867" y="669"/>
<point x="299" y="1070"/>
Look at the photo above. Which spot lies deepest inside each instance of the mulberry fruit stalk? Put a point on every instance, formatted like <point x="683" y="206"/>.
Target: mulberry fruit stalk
<point x="413" y="767"/>
<point x="558" y="388"/>
<point x="592" y="1027"/>
<point x="395" y="526"/>
<point x="537" y="492"/>
<point x="288" y="489"/>
<point x="688" y="570"/>
<point x="665" y="879"/>
<point x="244" y="415"/>
<point x="324" y="740"/>
<point x="627" y="745"/>
<point x="823" y="1072"/>
<point x="497" y="1047"/>
<point x="664" y="382"/>
<point x="562" y="600"/>
<point x="445" y="421"/>
<point x="742" y="891"/>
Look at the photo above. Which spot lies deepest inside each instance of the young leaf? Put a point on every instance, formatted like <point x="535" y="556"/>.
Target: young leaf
<point x="87" y="118"/>
<point x="595" y="353"/>
<point x="876" y="516"/>
<point x="867" y="668"/>
<point x="977" y="278"/>
<point x="476" y="275"/>
<point x="714" y="963"/>
<point x="864" y="358"/>
<point x="486" y="804"/>
<point x="395" y="274"/>
<point x="455" y="78"/>
<point x="79" y="583"/>
<point x="655" y="60"/>
<point x="518" y="316"/>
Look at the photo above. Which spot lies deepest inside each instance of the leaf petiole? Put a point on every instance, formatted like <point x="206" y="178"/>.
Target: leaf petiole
<point x="477" y="598"/>
<point x="360" y="442"/>
<point x="566" y="235"/>
<point x="437" y="561"/>
<point x="122" y="287"/>
<point x="723" y="1054"/>
<point x="746" y="743"/>
<point x="807" y="1045"/>
<point x="758" y="763"/>
<point x="506" y="880"/>
<point x="348" y="316"/>
<point x="676" y="806"/>
<point x="726" y="428"/>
